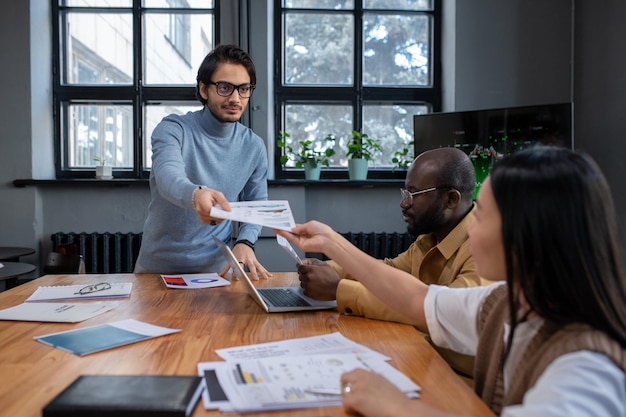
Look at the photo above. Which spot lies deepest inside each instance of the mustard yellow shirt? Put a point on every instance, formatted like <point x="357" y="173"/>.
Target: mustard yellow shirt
<point x="448" y="263"/>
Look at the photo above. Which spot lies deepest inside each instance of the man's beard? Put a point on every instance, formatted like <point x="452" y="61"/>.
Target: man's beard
<point x="429" y="221"/>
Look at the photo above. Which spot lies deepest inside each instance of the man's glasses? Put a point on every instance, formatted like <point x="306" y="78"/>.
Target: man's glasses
<point x="225" y="89"/>
<point x="101" y="286"/>
<point x="407" y="196"/>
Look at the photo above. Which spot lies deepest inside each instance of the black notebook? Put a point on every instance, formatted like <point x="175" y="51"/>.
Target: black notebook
<point x="127" y="395"/>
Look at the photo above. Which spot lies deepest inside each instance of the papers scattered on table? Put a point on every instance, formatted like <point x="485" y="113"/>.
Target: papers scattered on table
<point x="72" y="292"/>
<point x="290" y="374"/>
<point x="194" y="281"/>
<point x="106" y="336"/>
<point x="55" y="312"/>
<point x="275" y="214"/>
<point x="296" y="381"/>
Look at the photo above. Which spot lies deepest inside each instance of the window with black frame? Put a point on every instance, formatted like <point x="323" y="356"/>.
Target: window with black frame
<point x="349" y="67"/>
<point x="120" y="66"/>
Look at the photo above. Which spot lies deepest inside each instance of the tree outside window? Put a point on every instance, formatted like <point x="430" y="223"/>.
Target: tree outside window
<point x="119" y="67"/>
<point x="347" y="65"/>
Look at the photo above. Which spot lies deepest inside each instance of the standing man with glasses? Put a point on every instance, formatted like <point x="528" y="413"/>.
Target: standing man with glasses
<point x="437" y="206"/>
<point x="199" y="160"/>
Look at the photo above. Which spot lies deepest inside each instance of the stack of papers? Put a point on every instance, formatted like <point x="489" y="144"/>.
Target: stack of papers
<point x="290" y="374"/>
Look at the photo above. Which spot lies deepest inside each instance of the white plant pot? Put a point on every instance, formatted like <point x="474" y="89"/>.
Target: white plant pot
<point x="104" y="172"/>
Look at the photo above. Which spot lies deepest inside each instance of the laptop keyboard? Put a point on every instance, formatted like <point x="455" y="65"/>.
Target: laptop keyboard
<point x="283" y="297"/>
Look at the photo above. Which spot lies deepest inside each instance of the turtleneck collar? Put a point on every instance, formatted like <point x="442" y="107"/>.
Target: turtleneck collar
<point x="214" y="127"/>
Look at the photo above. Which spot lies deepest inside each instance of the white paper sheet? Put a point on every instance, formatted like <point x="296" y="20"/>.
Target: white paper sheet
<point x="314" y="345"/>
<point x="275" y="214"/>
<point x="55" y="312"/>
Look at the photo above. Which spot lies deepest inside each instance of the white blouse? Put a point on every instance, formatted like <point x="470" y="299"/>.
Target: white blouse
<point x="582" y="383"/>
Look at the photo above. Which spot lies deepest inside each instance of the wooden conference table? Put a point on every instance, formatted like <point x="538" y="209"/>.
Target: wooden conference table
<point x="32" y="373"/>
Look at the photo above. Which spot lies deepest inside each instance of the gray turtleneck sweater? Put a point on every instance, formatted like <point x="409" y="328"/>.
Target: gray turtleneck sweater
<point x="188" y="151"/>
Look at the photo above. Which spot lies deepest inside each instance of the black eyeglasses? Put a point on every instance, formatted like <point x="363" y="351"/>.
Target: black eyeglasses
<point x="101" y="286"/>
<point x="225" y="89"/>
<point x="407" y="196"/>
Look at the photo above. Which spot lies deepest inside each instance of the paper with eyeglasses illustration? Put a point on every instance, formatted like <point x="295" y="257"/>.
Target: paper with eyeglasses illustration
<point x="81" y="291"/>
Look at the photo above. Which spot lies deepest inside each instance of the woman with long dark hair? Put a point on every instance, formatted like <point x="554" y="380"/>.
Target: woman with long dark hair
<point x="550" y="338"/>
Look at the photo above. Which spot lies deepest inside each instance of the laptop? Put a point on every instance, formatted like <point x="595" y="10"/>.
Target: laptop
<point x="273" y="299"/>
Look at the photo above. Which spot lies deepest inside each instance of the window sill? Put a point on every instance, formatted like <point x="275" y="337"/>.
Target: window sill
<point x="127" y="182"/>
<point x="115" y="182"/>
<point x="343" y="183"/>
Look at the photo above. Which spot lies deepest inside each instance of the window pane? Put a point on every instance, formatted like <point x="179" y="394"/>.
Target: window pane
<point x="396" y="50"/>
<point x="393" y="126"/>
<point x="315" y="122"/>
<point x="398" y="4"/>
<point x="99" y="48"/>
<point x="194" y="4"/>
<point x="318" y="49"/>
<point x="154" y="113"/>
<point x="96" y="3"/>
<point x="319" y="4"/>
<point x="176" y="44"/>
<point x="102" y="131"/>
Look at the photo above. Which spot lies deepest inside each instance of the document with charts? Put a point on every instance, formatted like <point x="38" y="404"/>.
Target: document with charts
<point x="292" y="382"/>
<point x="275" y="214"/>
<point x="293" y="373"/>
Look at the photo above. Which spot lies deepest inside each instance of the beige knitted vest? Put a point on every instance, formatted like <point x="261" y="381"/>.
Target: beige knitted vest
<point x="550" y="342"/>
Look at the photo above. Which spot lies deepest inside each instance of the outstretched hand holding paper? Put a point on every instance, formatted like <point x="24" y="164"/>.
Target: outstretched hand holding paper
<point x="275" y="214"/>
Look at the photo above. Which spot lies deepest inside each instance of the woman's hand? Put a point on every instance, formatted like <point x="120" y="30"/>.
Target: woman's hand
<point x="371" y="394"/>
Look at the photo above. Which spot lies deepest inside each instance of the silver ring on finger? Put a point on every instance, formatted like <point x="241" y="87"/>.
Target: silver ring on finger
<point x="347" y="388"/>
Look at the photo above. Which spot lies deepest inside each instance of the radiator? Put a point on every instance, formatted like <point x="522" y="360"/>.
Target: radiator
<point x="378" y="245"/>
<point x="104" y="253"/>
<point x="108" y="253"/>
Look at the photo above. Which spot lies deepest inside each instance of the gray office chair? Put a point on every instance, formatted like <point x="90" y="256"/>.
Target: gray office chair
<point x="64" y="263"/>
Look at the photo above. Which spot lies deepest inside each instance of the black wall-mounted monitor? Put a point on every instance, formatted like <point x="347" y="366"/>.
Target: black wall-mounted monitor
<point x="488" y="135"/>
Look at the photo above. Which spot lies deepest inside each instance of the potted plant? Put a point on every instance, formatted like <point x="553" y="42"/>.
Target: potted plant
<point x="361" y="150"/>
<point x="307" y="157"/>
<point x="403" y="158"/>
<point x="103" y="171"/>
